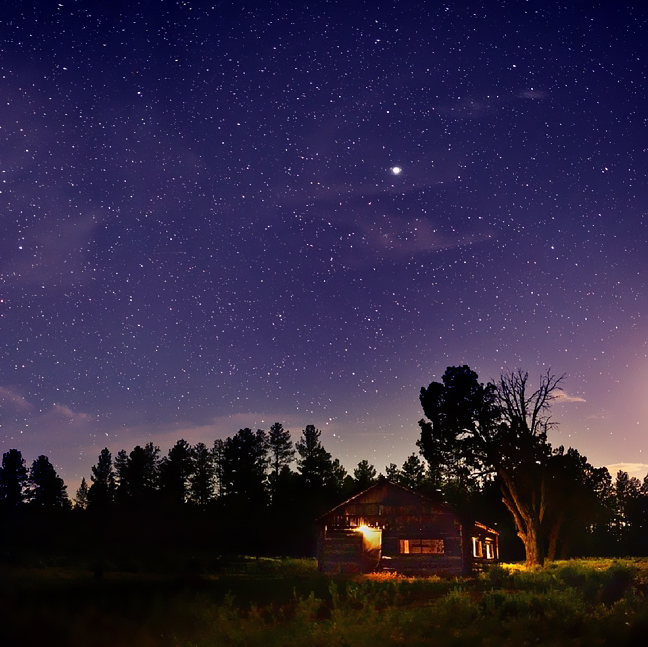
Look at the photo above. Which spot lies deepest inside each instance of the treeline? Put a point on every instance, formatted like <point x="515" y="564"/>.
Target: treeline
<point x="256" y="492"/>
<point x="482" y="449"/>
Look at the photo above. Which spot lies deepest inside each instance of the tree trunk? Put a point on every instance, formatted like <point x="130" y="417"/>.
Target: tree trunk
<point x="533" y="545"/>
<point x="553" y="536"/>
<point x="527" y="521"/>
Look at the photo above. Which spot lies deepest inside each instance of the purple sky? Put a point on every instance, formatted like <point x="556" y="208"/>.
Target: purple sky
<point x="201" y="228"/>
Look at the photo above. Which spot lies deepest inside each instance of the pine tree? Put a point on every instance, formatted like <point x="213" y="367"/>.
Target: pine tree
<point x="175" y="471"/>
<point x="412" y="474"/>
<point x="13" y="479"/>
<point x="218" y="458"/>
<point x="201" y="481"/>
<point x="121" y="475"/>
<point x="281" y="448"/>
<point x="392" y="473"/>
<point x="281" y="452"/>
<point x="47" y="488"/>
<point x="141" y="477"/>
<point x="314" y="464"/>
<point x="365" y="475"/>
<point x="102" y="491"/>
<point x="245" y="460"/>
<point x="81" y="498"/>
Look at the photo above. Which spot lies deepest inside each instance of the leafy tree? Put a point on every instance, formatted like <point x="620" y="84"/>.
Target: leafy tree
<point x="176" y="470"/>
<point x="102" y="491"/>
<point x="47" y="488"/>
<point x="577" y="500"/>
<point x="627" y="489"/>
<point x="201" y="481"/>
<point x="473" y="431"/>
<point x="365" y="475"/>
<point x="81" y="498"/>
<point x="13" y="478"/>
<point x="600" y="484"/>
<point x="520" y="453"/>
<point x="629" y="520"/>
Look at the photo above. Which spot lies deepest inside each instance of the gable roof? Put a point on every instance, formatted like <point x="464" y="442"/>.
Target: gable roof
<point x="391" y="494"/>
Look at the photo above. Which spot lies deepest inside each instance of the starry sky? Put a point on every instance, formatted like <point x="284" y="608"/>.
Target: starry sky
<point x="216" y="215"/>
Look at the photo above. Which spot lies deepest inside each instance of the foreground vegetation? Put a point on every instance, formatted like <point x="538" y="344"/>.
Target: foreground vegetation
<point x="286" y="602"/>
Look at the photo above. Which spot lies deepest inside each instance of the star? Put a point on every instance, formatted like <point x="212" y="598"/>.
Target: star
<point x="396" y="170"/>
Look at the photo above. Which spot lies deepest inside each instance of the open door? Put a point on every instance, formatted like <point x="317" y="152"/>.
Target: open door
<point x="371" y="548"/>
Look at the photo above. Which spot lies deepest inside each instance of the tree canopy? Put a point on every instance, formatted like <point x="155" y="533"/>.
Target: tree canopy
<point x="13" y="478"/>
<point x="47" y="488"/>
<point x="499" y="429"/>
<point x="484" y="449"/>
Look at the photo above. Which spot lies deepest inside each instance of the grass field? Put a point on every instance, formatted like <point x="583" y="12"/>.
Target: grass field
<point x="276" y="602"/>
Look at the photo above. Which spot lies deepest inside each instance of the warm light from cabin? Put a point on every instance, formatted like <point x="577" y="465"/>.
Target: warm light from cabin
<point x="372" y="537"/>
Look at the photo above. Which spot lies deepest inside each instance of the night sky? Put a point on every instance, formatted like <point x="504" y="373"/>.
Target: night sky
<point x="223" y="215"/>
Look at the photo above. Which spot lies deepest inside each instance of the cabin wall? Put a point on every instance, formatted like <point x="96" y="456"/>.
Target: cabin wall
<point x="340" y="551"/>
<point x="450" y="562"/>
<point x="484" y="548"/>
<point x="348" y="551"/>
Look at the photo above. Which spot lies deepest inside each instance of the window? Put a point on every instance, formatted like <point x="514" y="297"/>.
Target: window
<point x="483" y="548"/>
<point x="422" y="546"/>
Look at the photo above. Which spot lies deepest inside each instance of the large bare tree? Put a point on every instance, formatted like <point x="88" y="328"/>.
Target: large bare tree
<point x="521" y="462"/>
<point x="473" y="431"/>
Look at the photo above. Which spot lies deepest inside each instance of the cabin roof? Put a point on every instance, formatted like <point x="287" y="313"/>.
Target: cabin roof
<point x="393" y="494"/>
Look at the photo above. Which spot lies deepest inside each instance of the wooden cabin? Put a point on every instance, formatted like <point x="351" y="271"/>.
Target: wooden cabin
<point x="390" y="528"/>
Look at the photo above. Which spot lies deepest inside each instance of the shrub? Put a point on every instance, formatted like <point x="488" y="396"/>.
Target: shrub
<point x="497" y="576"/>
<point x="617" y="581"/>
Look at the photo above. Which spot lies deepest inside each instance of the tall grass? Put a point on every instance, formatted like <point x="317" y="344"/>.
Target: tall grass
<point x="570" y="604"/>
<point x="567" y="603"/>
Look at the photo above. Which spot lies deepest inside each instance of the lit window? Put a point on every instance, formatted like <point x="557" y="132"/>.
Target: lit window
<point x="478" y="547"/>
<point x="422" y="546"/>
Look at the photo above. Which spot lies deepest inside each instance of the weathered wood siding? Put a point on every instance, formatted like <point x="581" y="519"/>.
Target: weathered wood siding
<point x="400" y="515"/>
<point x="484" y="547"/>
<point x="450" y="562"/>
<point x="341" y="552"/>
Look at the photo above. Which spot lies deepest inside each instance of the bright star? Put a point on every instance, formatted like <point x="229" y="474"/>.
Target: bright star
<point x="396" y="170"/>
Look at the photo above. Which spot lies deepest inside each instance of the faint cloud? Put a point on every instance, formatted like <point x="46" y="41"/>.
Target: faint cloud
<point x="61" y="411"/>
<point x="532" y="94"/>
<point x="218" y="427"/>
<point x="638" y="470"/>
<point x="467" y="108"/>
<point x="561" y="396"/>
<point x="398" y="237"/>
<point x="10" y="396"/>
<point x="52" y="254"/>
<point x="29" y="422"/>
